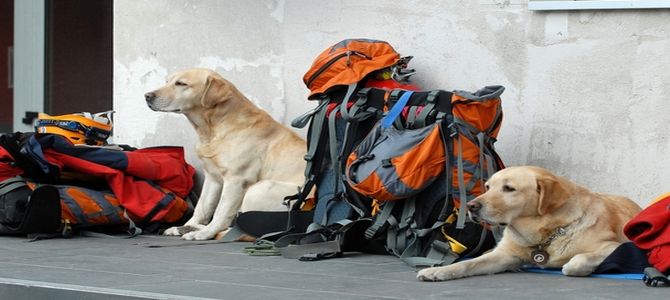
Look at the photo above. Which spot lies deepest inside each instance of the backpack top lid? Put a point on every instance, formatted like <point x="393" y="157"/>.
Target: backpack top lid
<point x="347" y="62"/>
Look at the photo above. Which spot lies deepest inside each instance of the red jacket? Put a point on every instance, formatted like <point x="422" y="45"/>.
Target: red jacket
<point x="650" y="230"/>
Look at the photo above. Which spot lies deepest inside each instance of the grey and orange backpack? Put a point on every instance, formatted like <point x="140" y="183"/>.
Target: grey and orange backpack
<point x="401" y="165"/>
<point x="396" y="198"/>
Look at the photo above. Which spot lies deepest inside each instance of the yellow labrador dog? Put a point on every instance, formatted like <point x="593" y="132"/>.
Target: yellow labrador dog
<point x="550" y="222"/>
<point x="250" y="161"/>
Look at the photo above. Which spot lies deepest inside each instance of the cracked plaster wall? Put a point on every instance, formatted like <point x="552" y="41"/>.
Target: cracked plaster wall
<point x="586" y="91"/>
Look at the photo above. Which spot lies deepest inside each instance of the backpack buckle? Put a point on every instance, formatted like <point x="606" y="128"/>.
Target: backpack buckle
<point x="453" y="132"/>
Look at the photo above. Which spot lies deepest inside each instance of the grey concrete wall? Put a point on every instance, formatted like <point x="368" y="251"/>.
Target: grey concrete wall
<point x="586" y="90"/>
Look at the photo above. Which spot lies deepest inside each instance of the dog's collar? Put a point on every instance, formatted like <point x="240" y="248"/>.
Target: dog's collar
<point x="539" y="255"/>
<point x="558" y="232"/>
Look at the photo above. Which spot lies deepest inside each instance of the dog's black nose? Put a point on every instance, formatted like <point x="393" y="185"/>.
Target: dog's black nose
<point x="149" y="96"/>
<point x="474" y="206"/>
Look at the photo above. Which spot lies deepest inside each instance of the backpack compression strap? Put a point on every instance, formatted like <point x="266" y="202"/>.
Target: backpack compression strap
<point x="11" y="184"/>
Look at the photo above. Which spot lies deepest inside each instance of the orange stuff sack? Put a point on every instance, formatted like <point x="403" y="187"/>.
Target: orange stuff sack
<point x="348" y="62"/>
<point x="84" y="208"/>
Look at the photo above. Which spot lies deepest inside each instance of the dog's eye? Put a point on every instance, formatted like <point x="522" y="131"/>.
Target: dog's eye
<point x="180" y="83"/>
<point x="507" y="188"/>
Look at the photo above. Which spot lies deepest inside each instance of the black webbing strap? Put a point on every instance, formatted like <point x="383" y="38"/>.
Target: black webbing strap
<point x="398" y="233"/>
<point x="352" y="115"/>
<point x="428" y="109"/>
<point x="447" y="133"/>
<point x="412" y="117"/>
<point x="380" y="219"/>
<point x="328" y="246"/>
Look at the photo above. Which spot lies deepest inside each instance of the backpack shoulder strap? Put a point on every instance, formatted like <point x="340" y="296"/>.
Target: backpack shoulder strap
<point x="314" y="147"/>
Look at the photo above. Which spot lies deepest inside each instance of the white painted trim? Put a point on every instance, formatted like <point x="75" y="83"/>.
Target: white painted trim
<point x="29" y="289"/>
<point x="596" y="4"/>
<point x="29" y="47"/>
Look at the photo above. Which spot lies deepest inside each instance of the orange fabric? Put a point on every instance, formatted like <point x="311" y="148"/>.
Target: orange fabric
<point x="470" y="155"/>
<point x="374" y="188"/>
<point x="175" y="212"/>
<point x="116" y="203"/>
<point x="478" y="114"/>
<point x="88" y="206"/>
<point x="348" y="62"/>
<point x="429" y="153"/>
<point x="309" y="204"/>
<point x="659" y="198"/>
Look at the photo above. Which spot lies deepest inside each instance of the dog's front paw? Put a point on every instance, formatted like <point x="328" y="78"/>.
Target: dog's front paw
<point x="578" y="266"/>
<point x="436" y="274"/>
<point x="172" y="231"/>
<point x="200" y="235"/>
<point x="181" y="230"/>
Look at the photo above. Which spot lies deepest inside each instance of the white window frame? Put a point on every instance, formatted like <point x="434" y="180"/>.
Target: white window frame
<point x="29" y="52"/>
<point x="596" y="4"/>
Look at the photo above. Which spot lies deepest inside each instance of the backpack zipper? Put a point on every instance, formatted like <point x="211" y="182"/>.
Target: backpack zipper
<point x="331" y="62"/>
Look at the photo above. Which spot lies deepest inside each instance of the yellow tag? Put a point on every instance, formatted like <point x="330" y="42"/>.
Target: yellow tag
<point x="455" y="246"/>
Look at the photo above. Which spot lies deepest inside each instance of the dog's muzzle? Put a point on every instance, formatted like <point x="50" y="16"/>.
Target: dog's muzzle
<point x="155" y="104"/>
<point x="150" y="97"/>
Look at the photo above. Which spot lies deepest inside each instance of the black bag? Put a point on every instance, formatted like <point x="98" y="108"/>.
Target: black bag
<point x="27" y="211"/>
<point x="14" y="196"/>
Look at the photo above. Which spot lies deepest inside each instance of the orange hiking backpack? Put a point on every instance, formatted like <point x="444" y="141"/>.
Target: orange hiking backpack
<point x="404" y="154"/>
<point x="403" y="159"/>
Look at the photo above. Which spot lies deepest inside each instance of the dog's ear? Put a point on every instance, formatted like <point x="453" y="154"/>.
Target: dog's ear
<point x="216" y="91"/>
<point x="552" y="194"/>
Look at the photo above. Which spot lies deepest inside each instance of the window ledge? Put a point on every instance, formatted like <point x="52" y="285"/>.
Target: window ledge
<point x="596" y="4"/>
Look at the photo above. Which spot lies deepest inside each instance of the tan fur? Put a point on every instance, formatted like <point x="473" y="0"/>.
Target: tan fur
<point x="539" y="203"/>
<point x="251" y="161"/>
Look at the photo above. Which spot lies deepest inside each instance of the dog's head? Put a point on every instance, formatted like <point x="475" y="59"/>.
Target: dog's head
<point x="190" y="90"/>
<point x="518" y="192"/>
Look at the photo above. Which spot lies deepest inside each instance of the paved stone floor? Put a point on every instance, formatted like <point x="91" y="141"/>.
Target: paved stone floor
<point x="103" y="268"/>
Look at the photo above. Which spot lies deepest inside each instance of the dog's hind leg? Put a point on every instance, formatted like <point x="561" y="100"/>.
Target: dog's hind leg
<point x="209" y="197"/>
<point x="585" y="263"/>
<point x="228" y="205"/>
<point x="268" y="195"/>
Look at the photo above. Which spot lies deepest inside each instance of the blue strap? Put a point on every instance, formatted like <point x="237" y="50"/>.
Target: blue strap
<point x="395" y="111"/>
<point x="626" y="276"/>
